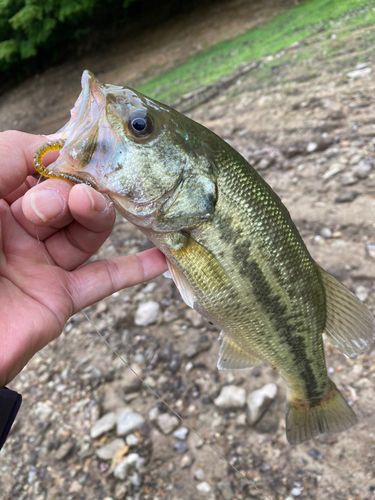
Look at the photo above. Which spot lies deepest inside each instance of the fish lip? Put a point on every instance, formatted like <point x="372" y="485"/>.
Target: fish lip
<point x="81" y="128"/>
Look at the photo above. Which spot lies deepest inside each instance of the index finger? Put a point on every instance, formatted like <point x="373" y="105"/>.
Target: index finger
<point x="16" y="159"/>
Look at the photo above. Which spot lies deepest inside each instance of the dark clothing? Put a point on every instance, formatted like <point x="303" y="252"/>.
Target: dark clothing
<point x="10" y="402"/>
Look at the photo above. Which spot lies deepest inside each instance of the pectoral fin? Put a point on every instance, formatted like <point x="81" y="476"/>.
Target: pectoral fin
<point x="233" y="357"/>
<point x="349" y="324"/>
<point x="182" y="284"/>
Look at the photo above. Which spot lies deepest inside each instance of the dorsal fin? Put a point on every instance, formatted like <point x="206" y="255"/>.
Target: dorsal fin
<point x="233" y="357"/>
<point x="350" y="326"/>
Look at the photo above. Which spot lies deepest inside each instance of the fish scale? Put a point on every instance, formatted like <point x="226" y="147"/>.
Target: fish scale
<point x="231" y="246"/>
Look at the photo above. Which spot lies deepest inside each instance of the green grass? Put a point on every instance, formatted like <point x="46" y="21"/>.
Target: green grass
<point x="296" y="24"/>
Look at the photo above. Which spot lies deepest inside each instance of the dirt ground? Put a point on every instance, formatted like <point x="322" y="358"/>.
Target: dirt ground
<point x="309" y="128"/>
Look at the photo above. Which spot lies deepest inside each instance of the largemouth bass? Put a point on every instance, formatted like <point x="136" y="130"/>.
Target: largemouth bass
<point x="231" y="246"/>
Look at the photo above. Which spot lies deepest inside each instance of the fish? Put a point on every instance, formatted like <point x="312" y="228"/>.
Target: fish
<point x="231" y="246"/>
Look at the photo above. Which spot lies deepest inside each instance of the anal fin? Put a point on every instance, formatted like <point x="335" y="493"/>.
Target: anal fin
<point x="349" y="324"/>
<point x="233" y="357"/>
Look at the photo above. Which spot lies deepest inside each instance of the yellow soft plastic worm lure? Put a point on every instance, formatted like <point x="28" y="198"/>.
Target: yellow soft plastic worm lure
<point x="41" y="169"/>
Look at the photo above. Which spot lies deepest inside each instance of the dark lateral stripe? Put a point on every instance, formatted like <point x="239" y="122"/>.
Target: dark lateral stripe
<point x="278" y="313"/>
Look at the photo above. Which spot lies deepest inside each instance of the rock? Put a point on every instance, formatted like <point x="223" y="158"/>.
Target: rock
<point x="231" y="397"/>
<point x="348" y="179"/>
<point x="186" y="461"/>
<point x="204" y="487"/>
<point x="75" y="487"/>
<point x="199" y="475"/>
<point x="362" y="171"/>
<point x="130" y="382"/>
<point x="64" y="451"/>
<point x="147" y="313"/>
<point x="195" y="348"/>
<point x="326" y="233"/>
<point x="346" y="197"/>
<point x="264" y="164"/>
<point x="128" y="421"/>
<point x="181" y="433"/>
<point x="132" y="440"/>
<point x="180" y="447"/>
<point x="258" y="402"/>
<point x="153" y="414"/>
<point x="122" y="469"/>
<point x="167" y="423"/>
<point x="315" y="454"/>
<point x="296" y="491"/>
<point x="311" y="147"/>
<point x="113" y="396"/>
<point x="121" y="491"/>
<point x="108" y="451"/>
<point x="362" y="293"/>
<point x="225" y="490"/>
<point x="334" y="170"/>
<point x="195" y="318"/>
<point x="359" y="73"/>
<point x="371" y="250"/>
<point x="103" y="425"/>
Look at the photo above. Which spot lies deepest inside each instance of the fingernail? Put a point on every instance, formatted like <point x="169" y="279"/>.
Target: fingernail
<point x="47" y="204"/>
<point x="98" y="201"/>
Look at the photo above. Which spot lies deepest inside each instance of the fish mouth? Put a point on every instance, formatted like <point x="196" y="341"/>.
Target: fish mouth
<point x="81" y="134"/>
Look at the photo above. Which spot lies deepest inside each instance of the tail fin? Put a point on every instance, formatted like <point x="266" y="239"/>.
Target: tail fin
<point x="307" y="419"/>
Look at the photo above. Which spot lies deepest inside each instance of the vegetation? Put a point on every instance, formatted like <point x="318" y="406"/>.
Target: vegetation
<point x="47" y="27"/>
<point x="307" y="19"/>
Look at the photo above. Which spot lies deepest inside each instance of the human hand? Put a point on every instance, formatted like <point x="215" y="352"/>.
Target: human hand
<point x="72" y="221"/>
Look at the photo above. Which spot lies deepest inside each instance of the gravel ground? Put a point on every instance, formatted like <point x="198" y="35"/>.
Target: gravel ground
<point x="89" y="429"/>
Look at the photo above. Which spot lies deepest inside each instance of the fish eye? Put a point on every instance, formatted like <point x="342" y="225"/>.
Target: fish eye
<point x="140" y="123"/>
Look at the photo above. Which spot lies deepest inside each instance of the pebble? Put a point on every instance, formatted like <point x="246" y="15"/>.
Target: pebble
<point x="359" y="73"/>
<point x="315" y="454"/>
<point x="199" y="475"/>
<point x="348" y="179"/>
<point x="231" y="397"/>
<point x="195" y="348"/>
<point x="195" y="318"/>
<point x="225" y="490"/>
<point x="147" y="313"/>
<point x="362" y="171"/>
<point x="264" y="164"/>
<point x="186" y="461"/>
<point x="131" y="382"/>
<point x="128" y="421"/>
<point x="180" y="447"/>
<point x="103" y="425"/>
<point x="311" y="147"/>
<point x="108" y="451"/>
<point x="296" y="492"/>
<point x="362" y="293"/>
<point x="181" y="433"/>
<point x="371" y="250"/>
<point x="337" y="169"/>
<point x="204" y="487"/>
<point x="326" y="233"/>
<point x="167" y="423"/>
<point x="346" y="197"/>
<point x="258" y="402"/>
<point x="122" y="469"/>
<point x="64" y="451"/>
<point x="132" y="440"/>
<point x="153" y="414"/>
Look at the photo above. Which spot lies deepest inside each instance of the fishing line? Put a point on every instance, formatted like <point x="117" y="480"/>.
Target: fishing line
<point x="249" y="482"/>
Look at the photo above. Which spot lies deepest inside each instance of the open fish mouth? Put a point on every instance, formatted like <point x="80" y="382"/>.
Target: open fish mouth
<point x="80" y="136"/>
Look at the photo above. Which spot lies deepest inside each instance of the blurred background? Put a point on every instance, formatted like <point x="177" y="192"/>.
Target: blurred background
<point x="290" y="85"/>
